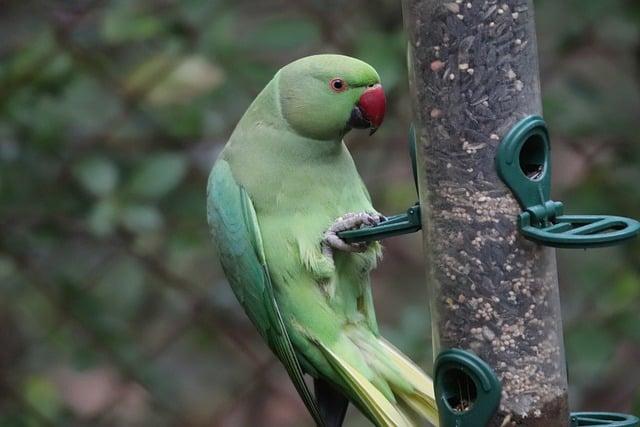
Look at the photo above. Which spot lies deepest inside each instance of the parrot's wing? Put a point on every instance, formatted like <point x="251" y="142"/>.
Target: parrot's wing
<point x="237" y="234"/>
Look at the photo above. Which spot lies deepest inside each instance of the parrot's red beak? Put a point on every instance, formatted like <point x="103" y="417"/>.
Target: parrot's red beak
<point x="373" y="105"/>
<point x="369" y="111"/>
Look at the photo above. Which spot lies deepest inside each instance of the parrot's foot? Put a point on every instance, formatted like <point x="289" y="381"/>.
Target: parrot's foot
<point x="349" y="221"/>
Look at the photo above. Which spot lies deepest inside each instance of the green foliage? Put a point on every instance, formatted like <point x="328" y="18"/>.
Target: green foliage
<point x="113" y="309"/>
<point x="97" y="175"/>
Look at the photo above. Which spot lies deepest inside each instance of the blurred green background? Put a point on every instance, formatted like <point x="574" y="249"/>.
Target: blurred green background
<point x="113" y="308"/>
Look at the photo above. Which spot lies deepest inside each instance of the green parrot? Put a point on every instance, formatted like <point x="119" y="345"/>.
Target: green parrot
<point x="278" y="195"/>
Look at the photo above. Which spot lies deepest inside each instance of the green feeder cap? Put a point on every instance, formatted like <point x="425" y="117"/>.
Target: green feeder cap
<point x="467" y="390"/>
<point x="523" y="162"/>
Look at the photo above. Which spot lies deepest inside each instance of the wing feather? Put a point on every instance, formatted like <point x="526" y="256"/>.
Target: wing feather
<point x="236" y="231"/>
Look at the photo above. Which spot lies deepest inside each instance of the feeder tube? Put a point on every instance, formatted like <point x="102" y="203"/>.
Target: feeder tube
<point x="474" y="74"/>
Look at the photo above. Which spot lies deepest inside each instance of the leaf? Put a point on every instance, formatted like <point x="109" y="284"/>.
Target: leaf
<point x="141" y="218"/>
<point x="122" y="287"/>
<point x="102" y="217"/>
<point x="97" y="175"/>
<point x="181" y="121"/>
<point x="86" y="107"/>
<point x="30" y="57"/>
<point x="158" y="175"/>
<point x="195" y="76"/>
<point x="124" y="23"/>
<point x="145" y="75"/>
<point x="42" y="395"/>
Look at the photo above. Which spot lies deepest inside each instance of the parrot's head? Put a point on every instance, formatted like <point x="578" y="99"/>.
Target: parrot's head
<point x="324" y="96"/>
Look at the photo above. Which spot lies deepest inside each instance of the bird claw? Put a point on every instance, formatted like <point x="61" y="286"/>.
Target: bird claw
<point x="348" y="221"/>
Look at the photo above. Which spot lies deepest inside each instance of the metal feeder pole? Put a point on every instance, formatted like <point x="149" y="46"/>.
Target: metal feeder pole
<point x="474" y="74"/>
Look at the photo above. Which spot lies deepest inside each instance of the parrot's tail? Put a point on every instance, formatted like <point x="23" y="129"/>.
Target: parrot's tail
<point x="421" y="396"/>
<point x="402" y="393"/>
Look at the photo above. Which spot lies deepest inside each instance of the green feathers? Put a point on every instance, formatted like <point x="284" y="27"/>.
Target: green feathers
<point x="281" y="181"/>
<point x="236" y="231"/>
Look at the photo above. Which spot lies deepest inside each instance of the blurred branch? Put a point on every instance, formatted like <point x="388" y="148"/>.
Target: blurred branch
<point x="42" y="285"/>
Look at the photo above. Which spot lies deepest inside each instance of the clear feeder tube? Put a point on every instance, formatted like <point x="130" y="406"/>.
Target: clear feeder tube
<point x="474" y="74"/>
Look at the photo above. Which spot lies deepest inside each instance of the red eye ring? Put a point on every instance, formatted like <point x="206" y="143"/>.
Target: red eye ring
<point x="338" y="85"/>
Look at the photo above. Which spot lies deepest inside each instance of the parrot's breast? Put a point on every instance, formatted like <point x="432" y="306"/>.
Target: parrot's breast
<point x="305" y="201"/>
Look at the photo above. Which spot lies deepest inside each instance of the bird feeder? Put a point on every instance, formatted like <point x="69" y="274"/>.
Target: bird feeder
<point x="483" y="161"/>
<point x="494" y="293"/>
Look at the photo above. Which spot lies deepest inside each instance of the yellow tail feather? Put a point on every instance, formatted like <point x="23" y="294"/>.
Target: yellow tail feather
<point x="422" y="400"/>
<point x="382" y="412"/>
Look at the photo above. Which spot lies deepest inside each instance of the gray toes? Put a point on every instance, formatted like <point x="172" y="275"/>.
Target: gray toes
<point x="349" y="221"/>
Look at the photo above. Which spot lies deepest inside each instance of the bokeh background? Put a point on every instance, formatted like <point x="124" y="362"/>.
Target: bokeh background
<point x="113" y="308"/>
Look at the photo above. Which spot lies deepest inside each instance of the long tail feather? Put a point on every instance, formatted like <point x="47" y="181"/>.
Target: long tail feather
<point x="382" y="412"/>
<point x="421" y="398"/>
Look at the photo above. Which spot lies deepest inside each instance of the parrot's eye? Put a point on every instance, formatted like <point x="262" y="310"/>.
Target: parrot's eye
<point x="338" y="85"/>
